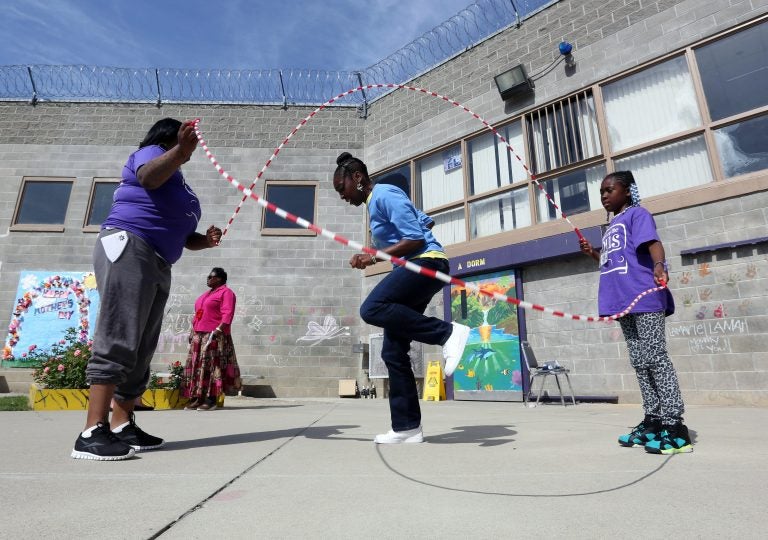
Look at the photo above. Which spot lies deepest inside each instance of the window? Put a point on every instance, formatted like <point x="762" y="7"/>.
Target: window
<point x="669" y="168"/>
<point x="100" y="202"/>
<point x="400" y="177"/>
<point x="43" y="204"/>
<point x="563" y="133"/>
<point x="491" y="164"/>
<point x="510" y="210"/>
<point x="449" y="227"/>
<point x="574" y="192"/>
<point x="651" y="104"/>
<point x="298" y="198"/>
<point x="734" y="72"/>
<point x="743" y="147"/>
<point x="439" y="179"/>
<point x="656" y="123"/>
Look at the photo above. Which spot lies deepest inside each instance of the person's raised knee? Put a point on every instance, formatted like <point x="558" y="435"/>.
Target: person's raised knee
<point x="370" y="312"/>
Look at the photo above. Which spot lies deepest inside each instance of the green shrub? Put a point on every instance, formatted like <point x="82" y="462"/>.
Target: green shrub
<point x="63" y="366"/>
<point x="176" y="370"/>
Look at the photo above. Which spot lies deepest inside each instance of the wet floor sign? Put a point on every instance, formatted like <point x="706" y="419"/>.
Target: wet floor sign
<point x="434" y="388"/>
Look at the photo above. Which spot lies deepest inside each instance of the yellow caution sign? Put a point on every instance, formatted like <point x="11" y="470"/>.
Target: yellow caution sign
<point x="434" y="387"/>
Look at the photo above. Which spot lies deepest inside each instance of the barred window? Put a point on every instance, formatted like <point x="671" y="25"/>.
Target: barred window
<point x="563" y="133"/>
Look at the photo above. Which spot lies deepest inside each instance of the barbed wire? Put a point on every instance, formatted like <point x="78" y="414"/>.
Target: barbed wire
<point x="264" y="86"/>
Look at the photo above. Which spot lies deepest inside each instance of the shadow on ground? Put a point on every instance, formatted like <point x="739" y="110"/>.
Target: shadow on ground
<point x="326" y="432"/>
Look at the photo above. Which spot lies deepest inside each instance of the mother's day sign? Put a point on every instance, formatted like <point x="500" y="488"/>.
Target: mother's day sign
<point x="47" y="304"/>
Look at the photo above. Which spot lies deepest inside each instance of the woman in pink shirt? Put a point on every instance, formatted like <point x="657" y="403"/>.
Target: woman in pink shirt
<point x="211" y="368"/>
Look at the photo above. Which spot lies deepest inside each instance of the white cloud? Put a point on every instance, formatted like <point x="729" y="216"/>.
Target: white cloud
<point x="243" y="34"/>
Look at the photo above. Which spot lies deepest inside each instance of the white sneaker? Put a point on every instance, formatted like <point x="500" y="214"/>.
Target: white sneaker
<point x="454" y="347"/>
<point x="397" y="437"/>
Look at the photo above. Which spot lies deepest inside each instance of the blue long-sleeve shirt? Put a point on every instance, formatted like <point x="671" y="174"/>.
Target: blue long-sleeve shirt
<point x="392" y="217"/>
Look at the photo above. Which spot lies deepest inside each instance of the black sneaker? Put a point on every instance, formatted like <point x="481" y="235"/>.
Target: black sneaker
<point x="133" y="436"/>
<point x="672" y="440"/>
<point x="101" y="445"/>
<point x="643" y="433"/>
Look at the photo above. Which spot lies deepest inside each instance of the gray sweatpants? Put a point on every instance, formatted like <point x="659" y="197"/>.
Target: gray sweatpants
<point x="133" y="290"/>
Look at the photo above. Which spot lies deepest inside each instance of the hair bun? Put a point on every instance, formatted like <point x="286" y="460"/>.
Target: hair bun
<point x="343" y="157"/>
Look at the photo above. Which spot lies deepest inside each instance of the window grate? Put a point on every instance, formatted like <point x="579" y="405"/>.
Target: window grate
<point x="563" y="133"/>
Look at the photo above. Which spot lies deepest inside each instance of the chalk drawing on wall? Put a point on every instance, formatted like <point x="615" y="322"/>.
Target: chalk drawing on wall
<point x="255" y="323"/>
<point x="709" y="337"/>
<point x="174" y="336"/>
<point x="317" y="333"/>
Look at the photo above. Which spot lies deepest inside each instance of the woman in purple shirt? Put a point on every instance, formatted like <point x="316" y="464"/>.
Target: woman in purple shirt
<point x="632" y="261"/>
<point x="153" y="218"/>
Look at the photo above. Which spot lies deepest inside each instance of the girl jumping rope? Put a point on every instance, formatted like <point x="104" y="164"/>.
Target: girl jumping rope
<point x="631" y="260"/>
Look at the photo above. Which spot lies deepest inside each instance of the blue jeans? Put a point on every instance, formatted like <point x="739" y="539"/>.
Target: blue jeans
<point x="397" y="305"/>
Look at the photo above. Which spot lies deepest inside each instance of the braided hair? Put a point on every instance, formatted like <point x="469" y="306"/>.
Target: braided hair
<point x="347" y="165"/>
<point x="626" y="179"/>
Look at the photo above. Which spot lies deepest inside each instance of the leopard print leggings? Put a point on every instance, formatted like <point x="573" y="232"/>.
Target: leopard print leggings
<point x="656" y="375"/>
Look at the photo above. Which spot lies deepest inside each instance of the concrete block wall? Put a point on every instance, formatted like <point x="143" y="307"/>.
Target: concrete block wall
<point x="285" y="285"/>
<point x="608" y="37"/>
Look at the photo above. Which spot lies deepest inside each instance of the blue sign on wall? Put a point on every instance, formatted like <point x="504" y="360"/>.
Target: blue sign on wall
<point x="47" y="305"/>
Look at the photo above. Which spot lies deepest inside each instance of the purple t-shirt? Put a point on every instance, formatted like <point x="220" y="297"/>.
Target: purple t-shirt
<point x="626" y="267"/>
<point x="163" y="217"/>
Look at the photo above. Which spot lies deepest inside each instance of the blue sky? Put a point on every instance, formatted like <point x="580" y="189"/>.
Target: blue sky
<point x="234" y="34"/>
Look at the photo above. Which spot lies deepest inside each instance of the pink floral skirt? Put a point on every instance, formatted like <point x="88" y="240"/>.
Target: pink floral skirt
<point x="211" y="368"/>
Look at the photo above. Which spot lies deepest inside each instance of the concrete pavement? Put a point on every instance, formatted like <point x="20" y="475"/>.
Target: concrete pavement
<point x="307" y="468"/>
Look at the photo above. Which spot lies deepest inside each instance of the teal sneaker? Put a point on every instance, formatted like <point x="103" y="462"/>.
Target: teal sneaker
<point x="672" y="440"/>
<point x="644" y="432"/>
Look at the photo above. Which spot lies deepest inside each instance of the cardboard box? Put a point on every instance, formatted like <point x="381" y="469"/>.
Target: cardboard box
<point x="348" y="388"/>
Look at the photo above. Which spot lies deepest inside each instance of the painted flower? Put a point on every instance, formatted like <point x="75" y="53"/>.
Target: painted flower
<point x="47" y="369"/>
<point x="23" y="355"/>
<point x="32" y="347"/>
<point x="77" y="352"/>
<point x="61" y="367"/>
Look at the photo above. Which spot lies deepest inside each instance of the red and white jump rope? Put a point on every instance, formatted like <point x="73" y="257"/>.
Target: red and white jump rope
<point x="247" y="192"/>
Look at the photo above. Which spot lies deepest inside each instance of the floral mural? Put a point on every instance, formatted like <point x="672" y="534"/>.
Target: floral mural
<point x="47" y="306"/>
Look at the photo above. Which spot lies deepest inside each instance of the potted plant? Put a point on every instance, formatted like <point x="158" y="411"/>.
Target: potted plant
<point x="60" y="378"/>
<point x="60" y="374"/>
<point x="164" y="389"/>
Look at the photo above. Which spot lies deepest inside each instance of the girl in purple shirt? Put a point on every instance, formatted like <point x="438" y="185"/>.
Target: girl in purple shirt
<point x="632" y="261"/>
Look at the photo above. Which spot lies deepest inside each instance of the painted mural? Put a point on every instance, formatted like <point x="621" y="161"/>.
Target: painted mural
<point x="47" y="304"/>
<point x="491" y="360"/>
